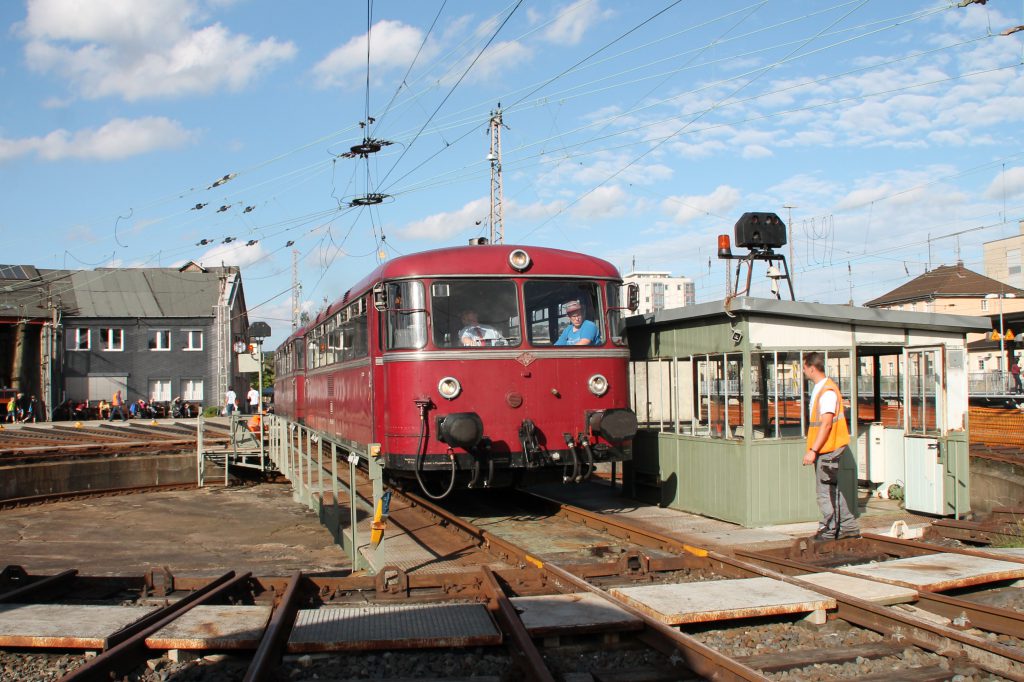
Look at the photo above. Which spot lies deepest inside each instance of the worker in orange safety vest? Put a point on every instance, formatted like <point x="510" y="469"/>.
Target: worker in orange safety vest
<point x="828" y="437"/>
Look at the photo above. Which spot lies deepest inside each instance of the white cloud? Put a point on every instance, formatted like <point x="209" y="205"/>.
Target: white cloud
<point x="235" y="253"/>
<point x="118" y="139"/>
<point x="602" y="203"/>
<point x="684" y="209"/>
<point x="445" y="225"/>
<point x="756" y="151"/>
<point x="573" y="21"/>
<point x="1008" y="183"/>
<point x="139" y="50"/>
<point x="392" y="45"/>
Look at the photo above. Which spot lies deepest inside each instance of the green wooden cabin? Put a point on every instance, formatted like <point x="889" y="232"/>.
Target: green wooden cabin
<point x="723" y="406"/>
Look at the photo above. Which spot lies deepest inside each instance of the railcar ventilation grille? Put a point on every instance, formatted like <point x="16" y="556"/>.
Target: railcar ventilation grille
<point x="330" y="387"/>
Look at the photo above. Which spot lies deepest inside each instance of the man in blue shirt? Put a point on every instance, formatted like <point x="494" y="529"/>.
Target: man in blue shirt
<point x="580" y="332"/>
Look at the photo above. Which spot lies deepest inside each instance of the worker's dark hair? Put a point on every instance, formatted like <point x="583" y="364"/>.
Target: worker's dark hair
<point x="816" y="360"/>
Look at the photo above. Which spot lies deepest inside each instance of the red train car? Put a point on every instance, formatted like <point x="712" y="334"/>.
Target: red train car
<point x="290" y="377"/>
<point x="475" y="366"/>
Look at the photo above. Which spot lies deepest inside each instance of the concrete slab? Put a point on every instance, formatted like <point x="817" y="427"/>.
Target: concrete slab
<point x="1011" y="553"/>
<point x="214" y="627"/>
<point x="738" y="536"/>
<point x="64" y="626"/>
<point x="398" y="548"/>
<point x="193" y="532"/>
<point x="568" y="614"/>
<point x="675" y="604"/>
<point x="392" y="626"/>
<point x="937" y="572"/>
<point x="861" y="588"/>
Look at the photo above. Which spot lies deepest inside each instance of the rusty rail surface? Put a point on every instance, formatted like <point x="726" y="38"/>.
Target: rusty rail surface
<point x="131" y="651"/>
<point x="28" y="444"/>
<point x="275" y="637"/>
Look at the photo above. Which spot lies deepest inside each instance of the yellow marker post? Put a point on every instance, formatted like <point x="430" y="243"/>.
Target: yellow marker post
<point x="380" y="519"/>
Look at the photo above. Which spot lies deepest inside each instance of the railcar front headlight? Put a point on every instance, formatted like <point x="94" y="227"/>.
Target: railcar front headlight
<point x="519" y="260"/>
<point x="449" y="388"/>
<point x="597" y="384"/>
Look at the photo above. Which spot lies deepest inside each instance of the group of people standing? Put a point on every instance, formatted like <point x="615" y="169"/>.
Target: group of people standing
<point x="23" y="409"/>
<point x="251" y="404"/>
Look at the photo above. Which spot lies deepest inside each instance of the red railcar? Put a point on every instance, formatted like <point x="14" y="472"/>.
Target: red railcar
<point x="290" y="377"/>
<point x="474" y="366"/>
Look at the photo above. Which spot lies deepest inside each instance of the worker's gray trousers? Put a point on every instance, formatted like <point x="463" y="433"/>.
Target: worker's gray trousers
<point x="831" y="500"/>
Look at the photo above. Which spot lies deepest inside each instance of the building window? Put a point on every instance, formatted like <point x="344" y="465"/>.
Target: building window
<point x="192" y="390"/>
<point x="193" y="339"/>
<point x="984" y="305"/>
<point x="981" y="365"/>
<point x="111" y="339"/>
<point x="160" y="390"/>
<point x="79" y="339"/>
<point x="161" y="340"/>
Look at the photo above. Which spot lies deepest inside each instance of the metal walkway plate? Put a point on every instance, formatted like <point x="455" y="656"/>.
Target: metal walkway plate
<point x="64" y="626"/>
<point x="937" y="572"/>
<point x="398" y="626"/>
<point x="701" y="602"/>
<point x="569" y="614"/>
<point x="862" y="588"/>
<point x="214" y="627"/>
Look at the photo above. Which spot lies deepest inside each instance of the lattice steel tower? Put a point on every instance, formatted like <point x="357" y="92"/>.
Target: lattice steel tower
<point x="494" y="156"/>
<point x="296" y="291"/>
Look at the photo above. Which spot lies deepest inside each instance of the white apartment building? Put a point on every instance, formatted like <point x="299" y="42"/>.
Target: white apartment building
<point x="660" y="290"/>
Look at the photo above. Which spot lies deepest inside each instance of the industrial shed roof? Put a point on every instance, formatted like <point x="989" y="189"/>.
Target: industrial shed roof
<point x="128" y="292"/>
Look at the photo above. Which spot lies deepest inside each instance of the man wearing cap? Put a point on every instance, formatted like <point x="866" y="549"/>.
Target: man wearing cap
<point x="580" y="332"/>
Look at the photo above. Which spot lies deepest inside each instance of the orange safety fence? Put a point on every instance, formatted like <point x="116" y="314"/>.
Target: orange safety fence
<point x="996" y="426"/>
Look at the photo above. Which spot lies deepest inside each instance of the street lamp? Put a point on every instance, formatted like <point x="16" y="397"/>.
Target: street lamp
<point x="1002" y="332"/>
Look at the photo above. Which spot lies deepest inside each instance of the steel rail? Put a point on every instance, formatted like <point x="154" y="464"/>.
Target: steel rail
<point x="131" y="650"/>
<point x="15" y="502"/>
<point x="924" y="547"/>
<point x="994" y="619"/>
<point x="994" y="657"/>
<point x="524" y="649"/>
<point x="33" y="589"/>
<point x="701" y="659"/>
<point x="275" y="637"/>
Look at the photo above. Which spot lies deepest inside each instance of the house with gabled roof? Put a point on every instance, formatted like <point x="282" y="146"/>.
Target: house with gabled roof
<point x="154" y="333"/>
<point x="957" y="290"/>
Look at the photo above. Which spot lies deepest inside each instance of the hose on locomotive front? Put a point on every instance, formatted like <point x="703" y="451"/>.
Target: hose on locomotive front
<point x="421" y="443"/>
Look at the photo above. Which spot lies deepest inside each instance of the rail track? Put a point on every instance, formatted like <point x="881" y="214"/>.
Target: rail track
<point x="859" y="640"/>
<point x="479" y="604"/>
<point x="26" y="444"/>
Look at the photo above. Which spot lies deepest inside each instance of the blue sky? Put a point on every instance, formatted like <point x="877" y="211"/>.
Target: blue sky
<point x="636" y="132"/>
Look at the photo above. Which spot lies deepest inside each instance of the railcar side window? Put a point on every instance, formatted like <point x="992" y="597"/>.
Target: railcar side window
<point x="616" y="316"/>
<point x="548" y="308"/>
<point x="406" y="316"/>
<point x="354" y="331"/>
<point x="475" y="313"/>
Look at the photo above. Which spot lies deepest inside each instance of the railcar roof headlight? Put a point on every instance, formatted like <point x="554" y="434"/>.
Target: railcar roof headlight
<point x="519" y="260"/>
<point x="597" y="384"/>
<point x="449" y="388"/>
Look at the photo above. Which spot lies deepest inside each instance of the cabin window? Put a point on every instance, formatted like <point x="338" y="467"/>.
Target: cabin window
<point x="475" y="313"/>
<point x="406" y="319"/>
<point x="548" y="304"/>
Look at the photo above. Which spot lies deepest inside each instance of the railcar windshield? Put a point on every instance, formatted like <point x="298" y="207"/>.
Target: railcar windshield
<point x="564" y="313"/>
<point x="407" y="316"/>
<point x="475" y="313"/>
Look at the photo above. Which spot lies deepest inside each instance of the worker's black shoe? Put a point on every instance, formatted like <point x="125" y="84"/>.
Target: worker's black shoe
<point x="844" y="534"/>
